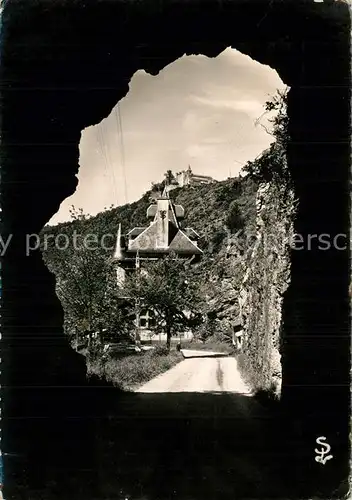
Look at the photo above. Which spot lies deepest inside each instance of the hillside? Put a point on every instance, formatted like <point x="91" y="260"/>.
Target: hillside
<point x="245" y="226"/>
<point x="206" y="210"/>
<point x="243" y="279"/>
<point x="215" y="211"/>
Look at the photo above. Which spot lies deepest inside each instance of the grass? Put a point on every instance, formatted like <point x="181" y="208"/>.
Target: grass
<point x="129" y="372"/>
<point x="263" y="392"/>
<point x="208" y="345"/>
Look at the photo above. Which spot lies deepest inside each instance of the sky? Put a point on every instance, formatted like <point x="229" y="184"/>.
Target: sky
<point x="197" y="111"/>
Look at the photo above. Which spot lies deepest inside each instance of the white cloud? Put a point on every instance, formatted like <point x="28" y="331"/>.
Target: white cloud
<point x="198" y="110"/>
<point x="250" y="107"/>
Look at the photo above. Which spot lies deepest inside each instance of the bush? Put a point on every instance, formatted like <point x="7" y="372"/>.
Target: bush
<point x="216" y="345"/>
<point x="267" y="397"/>
<point x="211" y="344"/>
<point x="234" y="220"/>
<point x="217" y="239"/>
<point x="249" y="375"/>
<point x="160" y="350"/>
<point x="264" y="392"/>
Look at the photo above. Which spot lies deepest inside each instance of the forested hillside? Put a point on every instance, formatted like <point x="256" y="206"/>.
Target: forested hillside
<point x="216" y="211"/>
<point x="242" y="274"/>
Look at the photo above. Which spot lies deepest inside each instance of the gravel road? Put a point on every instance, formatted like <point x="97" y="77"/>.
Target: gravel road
<point x="203" y="374"/>
<point x="192" y="433"/>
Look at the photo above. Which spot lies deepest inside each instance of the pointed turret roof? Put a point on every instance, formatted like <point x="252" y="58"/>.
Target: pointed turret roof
<point x="118" y="249"/>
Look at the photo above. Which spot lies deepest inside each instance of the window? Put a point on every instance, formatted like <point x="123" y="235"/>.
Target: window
<point x="147" y="319"/>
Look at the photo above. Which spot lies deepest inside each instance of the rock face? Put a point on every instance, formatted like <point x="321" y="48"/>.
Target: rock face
<point x="265" y="281"/>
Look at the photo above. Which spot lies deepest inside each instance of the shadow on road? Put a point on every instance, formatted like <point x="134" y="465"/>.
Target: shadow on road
<point x="190" y="446"/>
<point x="159" y="446"/>
<point x="206" y="355"/>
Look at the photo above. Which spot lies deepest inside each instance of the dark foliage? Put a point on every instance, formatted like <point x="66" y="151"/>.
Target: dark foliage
<point x="234" y="219"/>
<point x="271" y="165"/>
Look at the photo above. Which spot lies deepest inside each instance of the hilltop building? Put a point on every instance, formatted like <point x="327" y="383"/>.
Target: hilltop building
<point x="184" y="178"/>
<point x="188" y="178"/>
<point x="163" y="235"/>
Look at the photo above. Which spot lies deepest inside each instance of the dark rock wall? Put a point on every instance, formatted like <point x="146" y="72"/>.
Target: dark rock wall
<point x="266" y="279"/>
<point x="64" y="65"/>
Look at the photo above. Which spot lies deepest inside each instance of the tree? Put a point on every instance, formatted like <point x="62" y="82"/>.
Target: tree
<point x="86" y="284"/>
<point x="271" y="165"/>
<point x="169" y="177"/>
<point x="157" y="187"/>
<point x="280" y="120"/>
<point x="234" y="219"/>
<point x="170" y="288"/>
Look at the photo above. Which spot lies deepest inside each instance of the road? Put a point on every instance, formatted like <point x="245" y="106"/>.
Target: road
<point x="200" y="374"/>
<point x="193" y="433"/>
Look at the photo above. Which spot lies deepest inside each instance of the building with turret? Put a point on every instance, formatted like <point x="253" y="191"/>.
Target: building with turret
<point x="188" y="178"/>
<point x="163" y="235"/>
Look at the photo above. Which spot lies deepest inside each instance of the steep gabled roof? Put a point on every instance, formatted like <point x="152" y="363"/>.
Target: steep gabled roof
<point x="151" y="210"/>
<point x="164" y="229"/>
<point x="172" y="231"/>
<point x="182" y="244"/>
<point x="191" y="233"/>
<point x="179" y="211"/>
<point x="136" y="231"/>
<point x="179" y="241"/>
<point x="146" y="239"/>
<point x="172" y="215"/>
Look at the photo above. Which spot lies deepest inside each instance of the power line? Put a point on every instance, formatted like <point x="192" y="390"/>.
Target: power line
<point x="123" y="153"/>
<point x="240" y="162"/>
<point x="111" y="167"/>
<point x="104" y="151"/>
<point x="120" y="135"/>
<point x="100" y="142"/>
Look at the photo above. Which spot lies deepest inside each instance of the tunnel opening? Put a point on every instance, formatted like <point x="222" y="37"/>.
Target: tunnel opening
<point x="211" y="113"/>
<point x="60" y="81"/>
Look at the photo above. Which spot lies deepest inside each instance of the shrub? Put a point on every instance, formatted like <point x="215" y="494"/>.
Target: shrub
<point x="267" y="397"/>
<point x="234" y="220"/>
<point x="160" y="350"/>
<point x="264" y="390"/>
<point x="217" y="239"/>
<point x="214" y="344"/>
